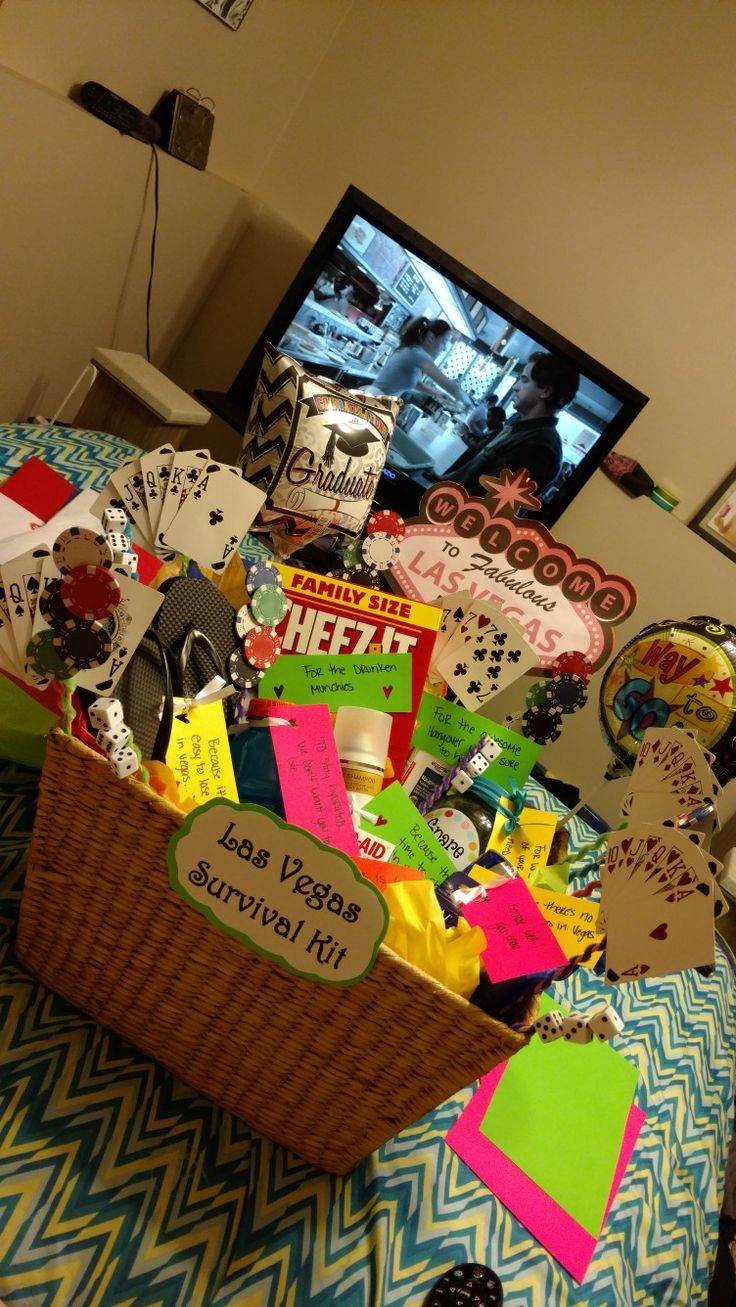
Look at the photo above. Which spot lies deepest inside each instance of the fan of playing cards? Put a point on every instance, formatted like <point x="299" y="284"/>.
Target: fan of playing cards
<point x="659" y="894"/>
<point x="184" y="503"/>
<point x="479" y="650"/>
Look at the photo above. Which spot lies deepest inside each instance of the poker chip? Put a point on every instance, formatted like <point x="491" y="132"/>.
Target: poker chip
<point x="240" y="673"/>
<point x="78" y="547"/>
<point x="380" y="551"/>
<point x="470" y="1285"/>
<point x="568" y="692"/>
<point x="543" y="725"/>
<point x="43" y="659"/>
<point x="262" y="573"/>
<point x="573" y="663"/>
<point x="261" y="647"/>
<point x="51" y="605"/>
<point x="244" y="622"/>
<point x="81" y="645"/>
<point x="538" y="694"/>
<point x="386" y="520"/>
<point x="89" y="592"/>
<point x="352" y="554"/>
<point x="367" y="576"/>
<point x="269" y="604"/>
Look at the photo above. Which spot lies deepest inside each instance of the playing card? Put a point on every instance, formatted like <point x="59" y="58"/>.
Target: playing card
<point x="20" y="580"/>
<point x="214" y="517"/>
<point x="485" y="654"/>
<point x="155" y="467"/>
<point x="128" y="482"/>
<point x="127" y="625"/>
<point x="454" y="608"/>
<point x="660" y="937"/>
<point x="671" y="776"/>
<point x="186" y="469"/>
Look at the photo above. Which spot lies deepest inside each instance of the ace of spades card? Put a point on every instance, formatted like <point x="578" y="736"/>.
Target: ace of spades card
<point x="215" y="516"/>
<point x="486" y="652"/>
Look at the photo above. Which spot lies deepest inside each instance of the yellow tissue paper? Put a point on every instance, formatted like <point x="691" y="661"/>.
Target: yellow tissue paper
<point x="417" y="932"/>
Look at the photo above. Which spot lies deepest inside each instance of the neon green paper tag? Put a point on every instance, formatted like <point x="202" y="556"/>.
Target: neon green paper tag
<point x="447" y="731"/>
<point x="381" y="681"/>
<point x="416" y="845"/>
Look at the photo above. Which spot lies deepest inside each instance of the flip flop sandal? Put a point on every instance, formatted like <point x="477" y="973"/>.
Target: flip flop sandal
<point x="192" y="605"/>
<point x="470" y="1285"/>
<point x="146" y="685"/>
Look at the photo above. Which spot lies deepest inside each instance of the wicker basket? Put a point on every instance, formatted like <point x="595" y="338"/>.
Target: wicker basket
<point x="330" y="1073"/>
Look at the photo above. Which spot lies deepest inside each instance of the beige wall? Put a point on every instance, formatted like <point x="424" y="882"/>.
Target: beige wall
<point x="578" y="155"/>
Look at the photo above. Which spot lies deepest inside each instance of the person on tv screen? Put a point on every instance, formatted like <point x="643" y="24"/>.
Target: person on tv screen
<point x="420" y="341"/>
<point x="530" y="439"/>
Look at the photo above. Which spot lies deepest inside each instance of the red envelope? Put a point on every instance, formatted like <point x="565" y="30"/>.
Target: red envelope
<point x="38" y="488"/>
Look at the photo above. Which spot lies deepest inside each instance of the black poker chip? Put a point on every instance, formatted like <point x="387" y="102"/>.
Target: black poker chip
<point x="366" y="576"/>
<point x="82" y="645"/>
<point x="568" y="692"/>
<point x="52" y="607"/>
<point x="241" y="673"/>
<point x="543" y="725"/>
<point x="470" y="1285"/>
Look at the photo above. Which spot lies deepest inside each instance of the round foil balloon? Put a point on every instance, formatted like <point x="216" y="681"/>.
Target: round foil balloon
<point x="674" y="674"/>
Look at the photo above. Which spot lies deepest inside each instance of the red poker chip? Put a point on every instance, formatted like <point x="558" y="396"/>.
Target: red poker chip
<point x="385" y="519"/>
<point x="573" y="663"/>
<point x="262" y="646"/>
<point x="89" y="592"/>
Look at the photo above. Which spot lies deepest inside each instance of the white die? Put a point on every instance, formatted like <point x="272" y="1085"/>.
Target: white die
<point x="114" y="519"/>
<point x="128" y="561"/>
<point x="477" y="765"/>
<point x="549" y="1026"/>
<point x="118" y="542"/>
<point x="576" y="1030"/>
<point x="462" y="781"/>
<point x="113" y="737"/>
<point x="605" y="1023"/>
<point x="105" y="713"/>
<point x="123" y="762"/>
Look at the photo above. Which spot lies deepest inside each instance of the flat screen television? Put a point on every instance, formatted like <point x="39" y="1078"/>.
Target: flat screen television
<point x="366" y="288"/>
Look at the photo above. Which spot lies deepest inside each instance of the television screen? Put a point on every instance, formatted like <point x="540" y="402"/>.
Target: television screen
<point x="485" y="385"/>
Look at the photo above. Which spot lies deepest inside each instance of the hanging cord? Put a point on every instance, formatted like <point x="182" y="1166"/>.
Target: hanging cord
<point x="154" y="233"/>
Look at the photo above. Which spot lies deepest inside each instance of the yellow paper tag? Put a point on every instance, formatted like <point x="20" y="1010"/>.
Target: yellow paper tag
<point x="574" y="921"/>
<point x="528" y="845"/>
<point x="199" y="755"/>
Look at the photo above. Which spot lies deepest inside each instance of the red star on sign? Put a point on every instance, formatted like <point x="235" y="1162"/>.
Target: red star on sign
<point x="722" y="687"/>
<point x="511" y="490"/>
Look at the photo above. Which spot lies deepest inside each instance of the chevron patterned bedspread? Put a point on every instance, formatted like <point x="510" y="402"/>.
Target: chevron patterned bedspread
<point x="119" y="1187"/>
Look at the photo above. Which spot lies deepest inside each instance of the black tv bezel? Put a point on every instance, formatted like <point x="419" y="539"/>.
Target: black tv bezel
<point x="233" y="405"/>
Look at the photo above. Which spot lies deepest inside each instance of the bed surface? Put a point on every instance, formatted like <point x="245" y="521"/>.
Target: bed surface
<point x="120" y="1187"/>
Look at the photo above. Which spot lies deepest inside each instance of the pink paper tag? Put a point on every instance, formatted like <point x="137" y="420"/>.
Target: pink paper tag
<point x="567" y="1241"/>
<point x="518" y="939"/>
<point x="312" y="787"/>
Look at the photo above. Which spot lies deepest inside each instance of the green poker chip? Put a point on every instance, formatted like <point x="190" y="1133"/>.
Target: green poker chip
<point x="352" y="554"/>
<point x="43" y="658"/>
<point x="269" y="604"/>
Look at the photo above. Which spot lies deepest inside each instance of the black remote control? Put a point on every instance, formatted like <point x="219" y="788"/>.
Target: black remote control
<point x="119" y="113"/>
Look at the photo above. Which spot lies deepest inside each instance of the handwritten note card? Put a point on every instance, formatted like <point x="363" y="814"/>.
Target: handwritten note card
<point x="407" y="830"/>
<point x="527" y="846"/>
<point x="447" y="730"/>
<point x="518" y="939"/>
<point x="312" y="787"/>
<point x="199" y="755"/>
<point x="574" y="921"/>
<point x="381" y="681"/>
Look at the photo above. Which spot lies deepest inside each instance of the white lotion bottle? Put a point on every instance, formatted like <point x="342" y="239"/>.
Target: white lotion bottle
<point x="362" y="735"/>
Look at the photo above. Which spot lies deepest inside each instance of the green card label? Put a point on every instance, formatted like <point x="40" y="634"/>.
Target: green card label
<point x="381" y="681"/>
<point x="404" y="827"/>
<point x="447" y="731"/>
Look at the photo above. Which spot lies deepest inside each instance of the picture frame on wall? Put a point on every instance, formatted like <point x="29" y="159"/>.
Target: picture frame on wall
<point x="716" y="520"/>
<point x="230" y="12"/>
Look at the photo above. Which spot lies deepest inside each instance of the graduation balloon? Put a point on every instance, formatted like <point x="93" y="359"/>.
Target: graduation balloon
<point x="674" y="674"/>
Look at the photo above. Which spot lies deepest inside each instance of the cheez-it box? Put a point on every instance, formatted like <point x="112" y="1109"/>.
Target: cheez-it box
<point x="329" y="616"/>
